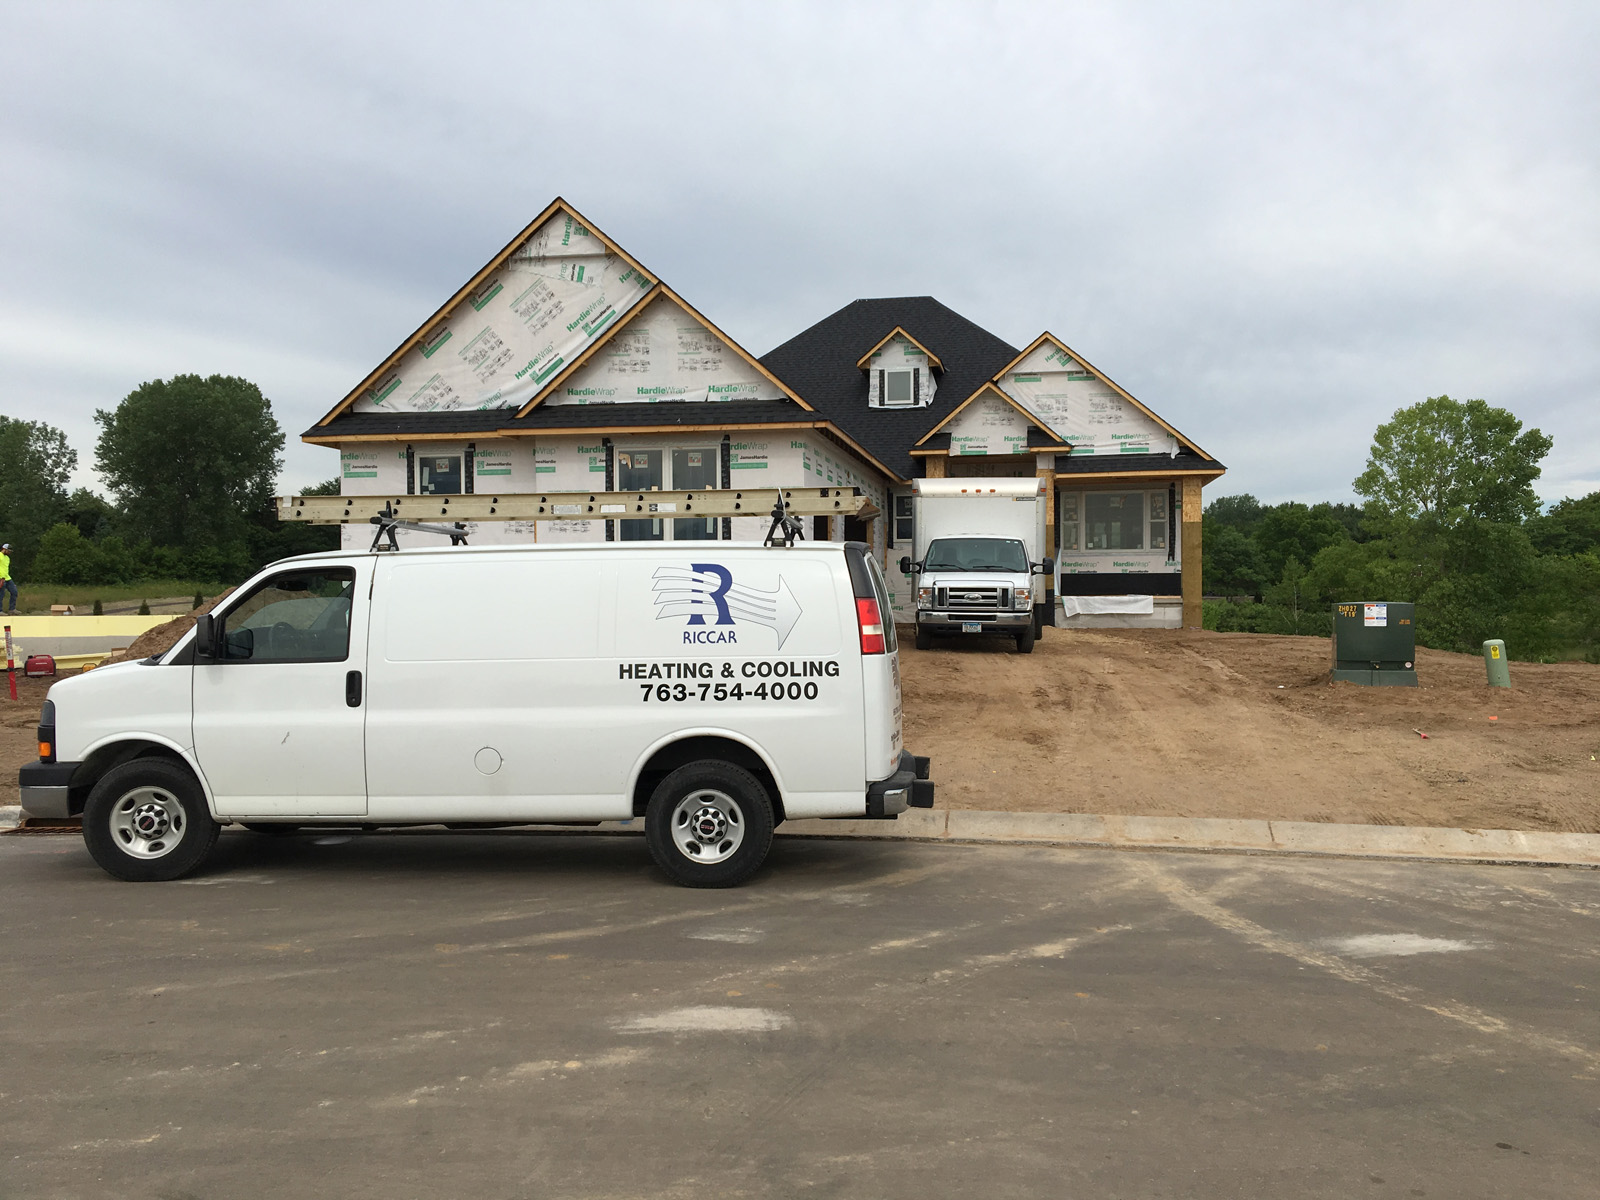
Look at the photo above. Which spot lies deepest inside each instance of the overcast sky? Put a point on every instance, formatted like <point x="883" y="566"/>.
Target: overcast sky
<point x="1274" y="223"/>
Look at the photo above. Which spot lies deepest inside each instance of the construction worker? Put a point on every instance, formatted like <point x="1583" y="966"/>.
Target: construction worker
<point x="7" y="584"/>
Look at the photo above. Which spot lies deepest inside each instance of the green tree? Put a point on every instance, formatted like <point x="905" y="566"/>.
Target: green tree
<point x="1570" y="527"/>
<point x="191" y="461"/>
<point x="93" y="515"/>
<point x="1240" y="512"/>
<point x="1447" y="459"/>
<point x="1293" y="530"/>
<point x="35" y="464"/>
<point x="1231" y="564"/>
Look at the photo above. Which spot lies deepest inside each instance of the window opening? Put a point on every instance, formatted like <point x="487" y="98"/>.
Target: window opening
<point x="904" y="524"/>
<point x="1067" y="520"/>
<point x="1158" y="520"/>
<point x="897" y="389"/>
<point x="303" y="616"/>
<point x="694" y="471"/>
<point x="439" y="475"/>
<point x="1114" y="521"/>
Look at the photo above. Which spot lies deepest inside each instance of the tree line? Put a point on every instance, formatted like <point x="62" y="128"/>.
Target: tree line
<point x="1450" y="522"/>
<point x="189" y="465"/>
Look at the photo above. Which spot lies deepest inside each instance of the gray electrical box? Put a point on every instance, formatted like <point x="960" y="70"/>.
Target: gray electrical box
<point x="1375" y="642"/>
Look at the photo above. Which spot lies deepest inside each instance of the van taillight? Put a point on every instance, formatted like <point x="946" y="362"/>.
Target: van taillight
<point x="871" y="623"/>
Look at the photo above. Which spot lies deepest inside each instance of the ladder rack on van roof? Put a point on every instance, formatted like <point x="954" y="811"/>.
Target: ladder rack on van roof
<point x="569" y="506"/>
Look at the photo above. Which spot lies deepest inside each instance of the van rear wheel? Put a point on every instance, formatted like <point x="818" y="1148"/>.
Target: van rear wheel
<point x="147" y="821"/>
<point x="709" y="824"/>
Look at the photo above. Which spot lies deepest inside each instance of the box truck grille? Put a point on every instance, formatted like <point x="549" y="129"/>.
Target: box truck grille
<point x="972" y="599"/>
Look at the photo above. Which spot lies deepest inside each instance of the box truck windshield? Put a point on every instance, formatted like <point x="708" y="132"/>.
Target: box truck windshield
<point x="976" y="554"/>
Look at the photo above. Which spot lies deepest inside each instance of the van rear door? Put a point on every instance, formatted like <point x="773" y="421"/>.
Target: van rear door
<point x="880" y="663"/>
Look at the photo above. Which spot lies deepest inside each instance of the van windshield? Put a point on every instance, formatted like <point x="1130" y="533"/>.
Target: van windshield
<point x="976" y="554"/>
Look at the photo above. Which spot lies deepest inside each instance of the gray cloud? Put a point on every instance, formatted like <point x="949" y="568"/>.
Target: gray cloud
<point x="1275" y="224"/>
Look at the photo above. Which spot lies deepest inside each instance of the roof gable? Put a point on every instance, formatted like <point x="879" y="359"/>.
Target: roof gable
<point x="1082" y="404"/>
<point x="865" y="360"/>
<point x="989" y="417"/>
<point x="662" y="351"/>
<point x="550" y="293"/>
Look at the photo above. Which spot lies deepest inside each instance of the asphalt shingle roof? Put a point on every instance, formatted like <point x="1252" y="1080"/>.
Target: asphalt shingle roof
<point x="820" y="364"/>
<point x="1136" y="464"/>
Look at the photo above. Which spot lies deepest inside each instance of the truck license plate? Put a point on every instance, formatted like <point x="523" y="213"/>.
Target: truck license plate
<point x="971" y="627"/>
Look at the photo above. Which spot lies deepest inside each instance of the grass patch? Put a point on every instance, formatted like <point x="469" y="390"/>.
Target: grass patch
<point x="37" y="598"/>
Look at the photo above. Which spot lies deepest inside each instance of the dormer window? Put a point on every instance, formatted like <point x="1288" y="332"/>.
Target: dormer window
<point x="901" y="389"/>
<point x="900" y="372"/>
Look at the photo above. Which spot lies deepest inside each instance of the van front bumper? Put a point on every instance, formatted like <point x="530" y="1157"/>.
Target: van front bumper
<point x="47" y="789"/>
<point x="988" y="622"/>
<point x="908" y="787"/>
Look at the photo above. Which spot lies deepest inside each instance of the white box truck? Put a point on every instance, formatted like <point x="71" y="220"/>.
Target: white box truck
<point x="979" y="545"/>
<point x="712" y="689"/>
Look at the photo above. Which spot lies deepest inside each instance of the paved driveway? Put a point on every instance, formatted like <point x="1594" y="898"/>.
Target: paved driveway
<point x="516" y="1015"/>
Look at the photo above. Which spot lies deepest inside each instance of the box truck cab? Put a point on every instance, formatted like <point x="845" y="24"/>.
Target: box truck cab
<point x="979" y="545"/>
<point x="713" y="690"/>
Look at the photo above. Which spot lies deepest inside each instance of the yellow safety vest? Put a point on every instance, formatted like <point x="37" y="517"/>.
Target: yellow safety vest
<point x="5" y="567"/>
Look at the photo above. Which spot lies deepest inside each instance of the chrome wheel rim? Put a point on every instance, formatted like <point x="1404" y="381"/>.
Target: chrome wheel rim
<point x="148" y="822"/>
<point x="707" y="826"/>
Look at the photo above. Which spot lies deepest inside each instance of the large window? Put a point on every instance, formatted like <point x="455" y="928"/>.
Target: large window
<point x="904" y="521"/>
<point x="300" y="616"/>
<point x="1113" y="521"/>
<point x="690" y="469"/>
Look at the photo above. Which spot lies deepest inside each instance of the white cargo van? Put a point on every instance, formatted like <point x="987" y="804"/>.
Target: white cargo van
<point x="714" y="690"/>
<point x="979" y="543"/>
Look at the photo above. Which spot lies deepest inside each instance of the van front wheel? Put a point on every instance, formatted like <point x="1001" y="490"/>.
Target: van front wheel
<point x="147" y="821"/>
<point x="709" y="824"/>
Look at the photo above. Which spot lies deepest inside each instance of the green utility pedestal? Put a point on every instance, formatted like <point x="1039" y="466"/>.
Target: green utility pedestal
<point x="1375" y="643"/>
<point x="1494" y="658"/>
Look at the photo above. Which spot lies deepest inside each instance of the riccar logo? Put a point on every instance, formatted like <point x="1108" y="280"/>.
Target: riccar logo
<point x="708" y="596"/>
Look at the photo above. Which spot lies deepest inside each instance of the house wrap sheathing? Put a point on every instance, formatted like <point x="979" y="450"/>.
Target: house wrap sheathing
<point x="565" y="365"/>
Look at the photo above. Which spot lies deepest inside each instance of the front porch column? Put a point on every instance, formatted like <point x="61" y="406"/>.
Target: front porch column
<point x="1048" y="474"/>
<point x="1191" y="550"/>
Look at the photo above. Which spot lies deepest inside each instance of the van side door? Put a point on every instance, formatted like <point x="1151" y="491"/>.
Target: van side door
<point x="279" y="719"/>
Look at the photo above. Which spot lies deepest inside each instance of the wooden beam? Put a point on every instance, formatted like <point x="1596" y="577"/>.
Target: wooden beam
<point x="1191" y="551"/>
<point x="575" y="506"/>
<point x="936" y="464"/>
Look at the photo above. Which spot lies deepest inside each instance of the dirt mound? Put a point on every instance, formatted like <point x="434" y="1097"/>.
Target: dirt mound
<point x="164" y="637"/>
<point x="1200" y="724"/>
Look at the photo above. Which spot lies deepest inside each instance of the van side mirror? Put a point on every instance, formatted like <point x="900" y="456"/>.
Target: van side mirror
<point x="905" y="564"/>
<point x="239" y="643"/>
<point x="205" y="636"/>
<point x="1047" y="567"/>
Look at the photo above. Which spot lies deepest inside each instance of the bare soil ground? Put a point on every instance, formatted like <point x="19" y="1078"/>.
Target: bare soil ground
<point x="1167" y="723"/>
<point x="1200" y="724"/>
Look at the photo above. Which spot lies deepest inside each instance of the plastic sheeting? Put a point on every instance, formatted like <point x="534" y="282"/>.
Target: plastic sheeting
<point x="665" y="353"/>
<point x="1078" y="606"/>
<point x="1081" y="408"/>
<point x="553" y="297"/>
<point x="989" y="426"/>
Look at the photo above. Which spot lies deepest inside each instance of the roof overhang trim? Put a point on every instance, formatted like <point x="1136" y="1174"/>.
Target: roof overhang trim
<point x="899" y="331"/>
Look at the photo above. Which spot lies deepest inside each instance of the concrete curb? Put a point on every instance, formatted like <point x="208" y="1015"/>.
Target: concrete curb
<point x="1420" y="843"/>
<point x="1417" y="842"/>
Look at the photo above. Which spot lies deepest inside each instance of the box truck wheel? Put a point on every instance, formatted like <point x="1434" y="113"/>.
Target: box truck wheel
<point x="146" y="820"/>
<point x="924" y="639"/>
<point x="709" y="824"/>
<point x="1025" y="641"/>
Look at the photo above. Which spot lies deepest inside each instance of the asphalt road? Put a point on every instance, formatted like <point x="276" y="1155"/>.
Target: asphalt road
<point x="515" y="1015"/>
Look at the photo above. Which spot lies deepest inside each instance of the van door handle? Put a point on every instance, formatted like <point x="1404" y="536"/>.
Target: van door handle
<point x="352" y="688"/>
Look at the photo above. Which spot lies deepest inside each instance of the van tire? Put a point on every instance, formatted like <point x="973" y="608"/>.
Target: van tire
<point x="1025" y="641"/>
<point x="737" y="830"/>
<point x="924" y="639"/>
<point x="146" y="821"/>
